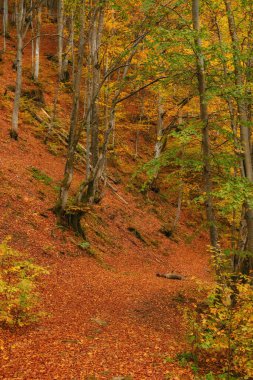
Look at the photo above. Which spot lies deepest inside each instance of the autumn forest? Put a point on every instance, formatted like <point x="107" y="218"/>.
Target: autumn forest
<point x="126" y="189"/>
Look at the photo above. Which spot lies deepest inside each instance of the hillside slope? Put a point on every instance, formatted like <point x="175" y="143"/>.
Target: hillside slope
<point x="113" y="317"/>
<point x="107" y="316"/>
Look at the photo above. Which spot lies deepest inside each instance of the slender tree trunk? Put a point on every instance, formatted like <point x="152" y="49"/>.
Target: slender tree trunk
<point x="242" y="105"/>
<point x="60" y="29"/>
<point x="160" y="144"/>
<point x="69" y="47"/>
<point x="97" y="22"/>
<point x="37" y="44"/>
<point x="160" y="140"/>
<point x="205" y="125"/>
<point x="72" y="45"/>
<point x="181" y="183"/>
<point x="19" y="9"/>
<point x="88" y="190"/>
<point x="137" y="133"/>
<point x="5" y="22"/>
<point x="32" y="35"/>
<point x="73" y="132"/>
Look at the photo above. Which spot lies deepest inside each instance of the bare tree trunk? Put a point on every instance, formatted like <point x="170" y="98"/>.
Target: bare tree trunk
<point x="5" y="22"/>
<point x="205" y="128"/>
<point x="97" y="22"/>
<point x="137" y="134"/>
<point x="69" y="47"/>
<point x="72" y="45"/>
<point x="19" y="10"/>
<point x="60" y="29"/>
<point x="160" y="138"/>
<point x="73" y="132"/>
<point x="32" y="35"/>
<point x="37" y="44"/>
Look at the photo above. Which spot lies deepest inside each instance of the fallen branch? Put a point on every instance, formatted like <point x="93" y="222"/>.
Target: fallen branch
<point x="171" y="276"/>
<point x="116" y="192"/>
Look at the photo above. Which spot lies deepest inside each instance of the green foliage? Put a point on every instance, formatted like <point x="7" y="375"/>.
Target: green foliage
<point x="40" y="176"/>
<point x="233" y="193"/>
<point x="222" y="329"/>
<point x="186" y="357"/>
<point x="89" y="250"/>
<point x="176" y="163"/>
<point x="84" y="245"/>
<point x="147" y="5"/>
<point x="18" y="295"/>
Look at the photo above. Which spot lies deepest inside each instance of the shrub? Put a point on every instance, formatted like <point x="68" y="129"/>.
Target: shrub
<point x="222" y="329"/>
<point x="18" y="295"/>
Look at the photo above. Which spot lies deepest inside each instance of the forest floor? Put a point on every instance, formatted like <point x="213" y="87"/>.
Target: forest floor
<point x="108" y="316"/>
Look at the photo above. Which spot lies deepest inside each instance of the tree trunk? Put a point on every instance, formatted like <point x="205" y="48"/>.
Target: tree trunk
<point x="19" y="9"/>
<point x="97" y="22"/>
<point x="73" y="132"/>
<point x="68" y="48"/>
<point x="5" y="22"/>
<point x="242" y="105"/>
<point x="205" y="125"/>
<point x="37" y="44"/>
<point x="160" y="138"/>
<point x="60" y="29"/>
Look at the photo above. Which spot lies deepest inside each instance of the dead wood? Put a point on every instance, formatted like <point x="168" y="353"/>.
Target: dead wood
<point x="171" y="276"/>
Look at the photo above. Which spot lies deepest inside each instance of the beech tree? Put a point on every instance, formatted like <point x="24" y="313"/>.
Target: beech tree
<point x="205" y="124"/>
<point x="37" y="42"/>
<point x="60" y="30"/>
<point x="74" y="130"/>
<point x="244" y="118"/>
<point x="5" y="22"/>
<point x="22" y="27"/>
<point x="23" y="16"/>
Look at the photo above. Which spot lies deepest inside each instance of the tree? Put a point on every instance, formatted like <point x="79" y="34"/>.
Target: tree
<point x="245" y="132"/>
<point x="60" y="30"/>
<point x="5" y="22"/>
<point x="21" y="27"/>
<point x="37" y="43"/>
<point x="23" y="14"/>
<point x="205" y="124"/>
<point x="74" y="130"/>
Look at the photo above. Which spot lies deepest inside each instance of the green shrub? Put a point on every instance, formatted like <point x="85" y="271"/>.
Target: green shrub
<point x="18" y="295"/>
<point x="40" y="176"/>
<point x="222" y="329"/>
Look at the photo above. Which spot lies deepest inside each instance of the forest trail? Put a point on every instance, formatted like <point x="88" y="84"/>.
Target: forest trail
<point x="108" y="317"/>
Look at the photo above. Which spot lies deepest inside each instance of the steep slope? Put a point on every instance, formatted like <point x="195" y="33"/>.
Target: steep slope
<point x="107" y="316"/>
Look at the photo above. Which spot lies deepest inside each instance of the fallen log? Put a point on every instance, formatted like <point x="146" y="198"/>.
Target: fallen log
<point x="171" y="276"/>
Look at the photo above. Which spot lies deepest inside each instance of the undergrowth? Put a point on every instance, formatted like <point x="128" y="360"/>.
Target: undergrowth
<point x="40" y="175"/>
<point x="222" y="328"/>
<point x="18" y="293"/>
